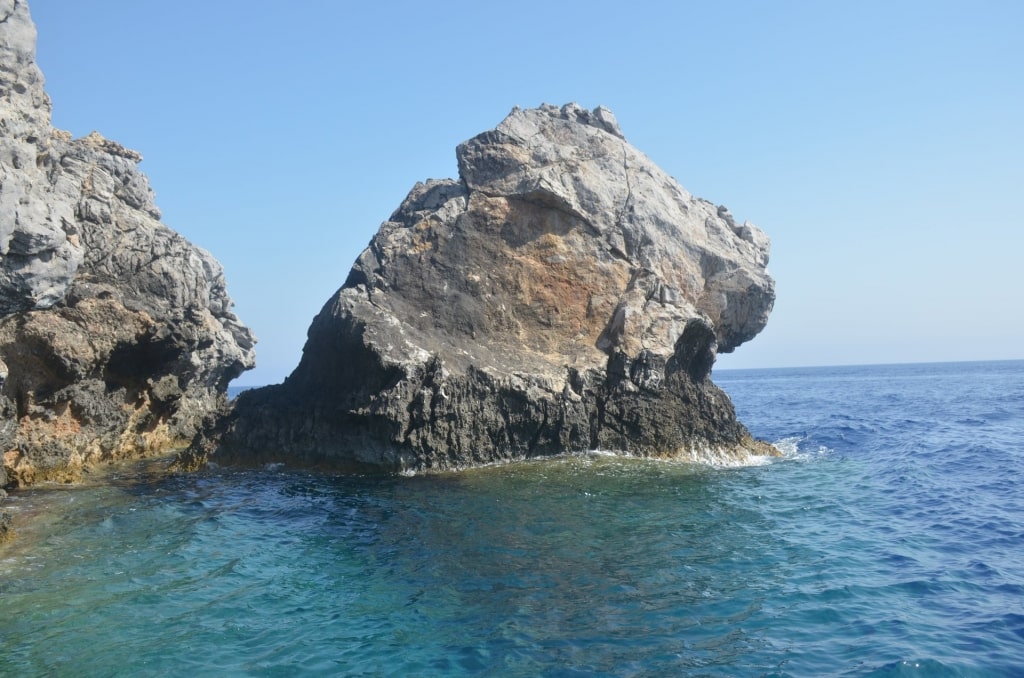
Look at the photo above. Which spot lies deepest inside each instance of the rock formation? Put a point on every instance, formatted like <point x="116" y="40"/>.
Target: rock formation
<point x="116" y="334"/>
<point x="563" y="295"/>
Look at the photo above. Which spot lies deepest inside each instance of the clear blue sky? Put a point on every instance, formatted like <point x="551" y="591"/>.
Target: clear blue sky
<point x="880" y="144"/>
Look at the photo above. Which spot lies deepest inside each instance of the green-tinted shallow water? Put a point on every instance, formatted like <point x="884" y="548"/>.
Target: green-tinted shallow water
<point x="879" y="546"/>
<point x="581" y="562"/>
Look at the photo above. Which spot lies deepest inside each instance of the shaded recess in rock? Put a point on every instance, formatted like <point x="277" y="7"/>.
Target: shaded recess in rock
<point x="564" y="294"/>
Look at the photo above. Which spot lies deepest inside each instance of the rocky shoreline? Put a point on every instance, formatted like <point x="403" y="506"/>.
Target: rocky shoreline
<point x="563" y="294"/>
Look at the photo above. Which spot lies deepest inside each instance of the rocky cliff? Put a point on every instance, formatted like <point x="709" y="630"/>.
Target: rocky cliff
<point x="116" y="334"/>
<point x="563" y="294"/>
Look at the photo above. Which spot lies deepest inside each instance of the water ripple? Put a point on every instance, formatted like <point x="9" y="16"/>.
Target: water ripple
<point x="885" y="542"/>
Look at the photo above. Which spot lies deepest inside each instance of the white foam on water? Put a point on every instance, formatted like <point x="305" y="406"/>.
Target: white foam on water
<point x="712" y="457"/>
<point x="789" y="447"/>
<point x="792" y="449"/>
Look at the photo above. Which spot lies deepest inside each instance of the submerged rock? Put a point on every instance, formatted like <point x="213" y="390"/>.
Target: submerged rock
<point x="564" y="294"/>
<point x="116" y="334"/>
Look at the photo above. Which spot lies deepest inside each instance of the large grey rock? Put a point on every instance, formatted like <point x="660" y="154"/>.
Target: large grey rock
<point x="39" y="259"/>
<point x="564" y="294"/>
<point x="116" y="334"/>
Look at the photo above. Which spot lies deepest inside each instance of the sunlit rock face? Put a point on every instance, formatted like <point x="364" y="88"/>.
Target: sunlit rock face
<point x="116" y="334"/>
<point x="564" y="294"/>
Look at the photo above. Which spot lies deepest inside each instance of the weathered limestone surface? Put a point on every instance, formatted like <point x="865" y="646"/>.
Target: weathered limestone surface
<point x="564" y="294"/>
<point x="116" y="334"/>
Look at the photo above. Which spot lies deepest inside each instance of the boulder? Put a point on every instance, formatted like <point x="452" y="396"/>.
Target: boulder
<point x="564" y="294"/>
<point x="116" y="334"/>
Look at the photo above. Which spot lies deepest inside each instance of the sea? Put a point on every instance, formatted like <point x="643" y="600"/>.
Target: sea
<point x="888" y="540"/>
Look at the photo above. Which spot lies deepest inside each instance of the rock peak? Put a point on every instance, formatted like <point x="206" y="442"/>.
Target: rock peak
<point x="600" y="118"/>
<point x="24" y="104"/>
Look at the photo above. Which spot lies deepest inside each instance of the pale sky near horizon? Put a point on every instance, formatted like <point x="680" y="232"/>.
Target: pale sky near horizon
<point x="879" y="144"/>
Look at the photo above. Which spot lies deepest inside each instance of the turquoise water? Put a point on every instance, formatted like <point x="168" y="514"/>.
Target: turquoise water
<point x="887" y="542"/>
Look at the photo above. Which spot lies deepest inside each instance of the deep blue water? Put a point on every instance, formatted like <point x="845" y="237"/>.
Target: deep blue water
<point x="888" y="542"/>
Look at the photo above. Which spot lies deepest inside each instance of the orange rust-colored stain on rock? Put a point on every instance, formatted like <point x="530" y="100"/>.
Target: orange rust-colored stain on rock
<point x="545" y="269"/>
<point x="11" y="458"/>
<point x="422" y="238"/>
<point x="58" y="428"/>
